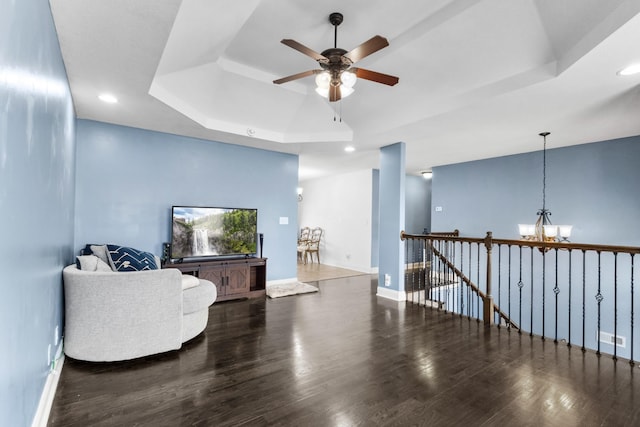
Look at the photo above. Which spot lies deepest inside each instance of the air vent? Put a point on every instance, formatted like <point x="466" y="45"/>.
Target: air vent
<point x="611" y="339"/>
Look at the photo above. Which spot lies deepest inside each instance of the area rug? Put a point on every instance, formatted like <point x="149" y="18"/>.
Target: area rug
<point x="286" y="289"/>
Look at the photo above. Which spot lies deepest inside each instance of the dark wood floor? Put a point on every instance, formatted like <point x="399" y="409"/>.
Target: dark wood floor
<point x="344" y="357"/>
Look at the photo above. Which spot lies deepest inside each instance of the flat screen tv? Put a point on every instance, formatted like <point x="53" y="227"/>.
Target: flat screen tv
<point x="198" y="232"/>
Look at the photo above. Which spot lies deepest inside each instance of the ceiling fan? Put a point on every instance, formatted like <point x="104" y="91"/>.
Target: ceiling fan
<point x="337" y="76"/>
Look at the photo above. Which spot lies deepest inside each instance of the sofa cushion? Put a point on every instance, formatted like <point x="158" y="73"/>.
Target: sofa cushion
<point x="199" y="297"/>
<point x="101" y="252"/>
<point x="103" y="266"/>
<point x="91" y="263"/>
<point x="86" y="262"/>
<point x="123" y="258"/>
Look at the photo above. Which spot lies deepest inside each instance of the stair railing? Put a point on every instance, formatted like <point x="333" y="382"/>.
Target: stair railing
<point x="581" y="294"/>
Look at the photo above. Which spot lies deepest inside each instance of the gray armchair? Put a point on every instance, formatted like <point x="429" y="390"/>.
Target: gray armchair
<point x="113" y="316"/>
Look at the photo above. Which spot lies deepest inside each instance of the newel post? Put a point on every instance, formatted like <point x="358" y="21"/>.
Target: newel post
<point x="488" y="299"/>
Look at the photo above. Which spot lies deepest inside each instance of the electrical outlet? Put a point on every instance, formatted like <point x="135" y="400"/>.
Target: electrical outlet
<point x="56" y="336"/>
<point x="387" y="280"/>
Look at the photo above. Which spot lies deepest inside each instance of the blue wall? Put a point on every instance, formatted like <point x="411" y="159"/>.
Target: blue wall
<point x="128" y="179"/>
<point x="592" y="186"/>
<point x="392" y="214"/>
<point x="418" y="204"/>
<point x="36" y="202"/>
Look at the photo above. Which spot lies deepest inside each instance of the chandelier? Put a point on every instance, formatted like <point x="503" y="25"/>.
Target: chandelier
<point x="543" y="230"/>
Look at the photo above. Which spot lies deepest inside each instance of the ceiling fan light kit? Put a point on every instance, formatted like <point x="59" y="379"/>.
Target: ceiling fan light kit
<point x="337" y="76"/>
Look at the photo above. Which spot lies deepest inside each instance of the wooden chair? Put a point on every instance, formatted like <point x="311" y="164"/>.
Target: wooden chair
<point x="313" y="245"/>
<point x="303" y="240"/>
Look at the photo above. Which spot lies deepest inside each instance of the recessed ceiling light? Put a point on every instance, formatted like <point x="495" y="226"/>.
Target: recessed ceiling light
<point x="349" y="149"/>
<point x="108" y="98"/>
<point x="426" y="174"/>
<point x="630" y="70"/>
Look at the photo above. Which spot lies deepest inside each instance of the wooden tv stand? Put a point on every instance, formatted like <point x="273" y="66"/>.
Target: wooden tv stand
<point x="234" y="278"/>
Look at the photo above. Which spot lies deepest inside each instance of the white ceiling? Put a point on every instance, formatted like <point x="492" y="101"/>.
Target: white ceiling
<point x="478" y="78"/>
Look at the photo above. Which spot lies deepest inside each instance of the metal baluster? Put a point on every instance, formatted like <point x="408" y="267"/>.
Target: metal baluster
<point x="465" y="302"/>
<point x="615" y="306"/>
<point x="420" y="262"/>
<point x="410" y="266"/>
<point x="432" y="290"/>
<point x="427" y="272"/>
<point x="544" y="279"/>
<point x="469" y="300"/>
<point x="470" y="305"/>
<point x="520" y="285"/>
<point x="446" y="270"/>
<point x="422" y="288"/>
<point x="423" y="272"/>
<point x="499" y="276"/>
<point x="556" y="291"/>
<point x="434" y="265"/>
<point x="425" y="264"/>
<point x="631" y="360"/>
<point x="437" y="276"/>
<point x="509" y="289"/>
<point x="531" y="308"/>
<point x="406" y="255"/>
<point x="478" y="283"/>
<point x="584" y="291"/>
<point x="461" y="304"/>
<point x="599" y="298"/>
<point x="417" y="268"/>
<point x="450" y="276"/>
<point x="415" y="275"/>
<point x="570" y="270"/>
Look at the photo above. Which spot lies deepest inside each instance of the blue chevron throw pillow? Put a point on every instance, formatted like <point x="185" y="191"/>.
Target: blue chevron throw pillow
<point x="123" y="258"/>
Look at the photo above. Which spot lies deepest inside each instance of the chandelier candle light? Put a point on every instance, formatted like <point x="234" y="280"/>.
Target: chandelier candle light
<point x="543" y="230"/>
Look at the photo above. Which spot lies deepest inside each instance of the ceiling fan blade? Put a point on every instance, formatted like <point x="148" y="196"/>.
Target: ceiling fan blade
<point x="334" y="93"/>
<point x="302" y="48"/>
<point x="375" y="76"/>
<point x="296" y="76"/>
<point x="372" y="45"/>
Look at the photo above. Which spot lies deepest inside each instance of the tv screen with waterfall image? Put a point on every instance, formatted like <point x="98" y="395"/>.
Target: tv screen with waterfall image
<point x="213" y="232"/>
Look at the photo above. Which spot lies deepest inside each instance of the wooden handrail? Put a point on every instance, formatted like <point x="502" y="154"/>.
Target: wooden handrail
<point x="527" y="243"/>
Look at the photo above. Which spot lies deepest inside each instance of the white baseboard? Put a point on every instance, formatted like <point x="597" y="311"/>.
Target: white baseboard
<point x="391" y="294"/>
<point x="48" y="393"/>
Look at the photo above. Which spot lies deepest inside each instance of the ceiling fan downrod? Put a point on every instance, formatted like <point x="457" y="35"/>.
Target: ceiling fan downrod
<point x="335" y="19"/>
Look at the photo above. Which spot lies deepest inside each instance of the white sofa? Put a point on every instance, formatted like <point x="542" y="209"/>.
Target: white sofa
<point x="112" y="316"/>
